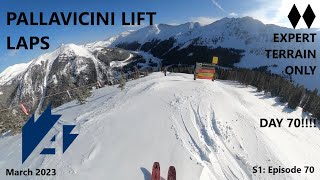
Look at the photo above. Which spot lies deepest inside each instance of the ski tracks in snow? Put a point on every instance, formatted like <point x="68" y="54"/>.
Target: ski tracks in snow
<point x="199" y="131"/>
<point x="208" y="130"/>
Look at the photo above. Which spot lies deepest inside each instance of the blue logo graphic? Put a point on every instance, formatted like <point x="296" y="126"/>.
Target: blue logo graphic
<point x="33" y="133"/>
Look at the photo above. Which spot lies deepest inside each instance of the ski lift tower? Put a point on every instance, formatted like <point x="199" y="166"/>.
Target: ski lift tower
<point x="206" y="70"/>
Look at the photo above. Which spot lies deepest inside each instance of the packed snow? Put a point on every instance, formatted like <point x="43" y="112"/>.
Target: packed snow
<point x="207" y="130"/>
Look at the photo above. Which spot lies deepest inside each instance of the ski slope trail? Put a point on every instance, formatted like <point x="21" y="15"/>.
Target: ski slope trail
<point x="207" y="130"/>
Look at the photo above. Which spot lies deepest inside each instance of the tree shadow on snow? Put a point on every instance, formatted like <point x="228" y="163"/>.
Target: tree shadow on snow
<point x="261" y="95"/>
<point x="147" y="174"/>
<point x="278" y="103"/>
<point x="239" y="85"/>
<point x="288" y="110"/>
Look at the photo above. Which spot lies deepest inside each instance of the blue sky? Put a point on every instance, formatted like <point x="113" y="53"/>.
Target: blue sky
<point x="168" y="11"/>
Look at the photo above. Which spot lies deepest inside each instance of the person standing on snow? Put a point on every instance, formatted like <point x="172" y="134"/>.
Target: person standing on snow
<point x="165" y="71"/>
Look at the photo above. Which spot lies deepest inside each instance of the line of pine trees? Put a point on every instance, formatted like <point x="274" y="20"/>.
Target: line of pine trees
<point x="276" y="85"/>
<point x="294" y="95"/>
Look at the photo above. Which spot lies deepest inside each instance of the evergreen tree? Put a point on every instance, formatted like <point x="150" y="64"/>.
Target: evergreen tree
<point x="82" y="94"/>
<point x="311" y="101"/>
<point x="136" y="73"/>
<point x="122" y="81"/>
<point x="295" y="99"/>
<point x="10" y="121"/>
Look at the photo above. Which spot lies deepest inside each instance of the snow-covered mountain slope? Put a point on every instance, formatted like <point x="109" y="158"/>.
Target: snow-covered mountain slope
<point x="64" y="53"/>
<point x="12" y="71"/>
<point x="207" y="130"/>
<point x="66" y="67"/>
<point x="237" y="41"/>
<point x="250" y="36"/>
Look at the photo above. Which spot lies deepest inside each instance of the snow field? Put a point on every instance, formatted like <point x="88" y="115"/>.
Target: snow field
<point x="207" y="130"/>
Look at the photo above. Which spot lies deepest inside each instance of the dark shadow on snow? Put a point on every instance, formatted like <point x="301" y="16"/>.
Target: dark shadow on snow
<point x="284" y="106"/>
<point x="100" y="97"/>
<point x="147" y="174"/>
<point x="68" y="107"/>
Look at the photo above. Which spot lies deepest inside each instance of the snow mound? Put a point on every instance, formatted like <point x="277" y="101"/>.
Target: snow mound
<point x="207" y="130"/>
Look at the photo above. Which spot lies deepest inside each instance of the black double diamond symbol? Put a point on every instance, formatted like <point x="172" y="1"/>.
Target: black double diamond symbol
<point x="308" y="16"/>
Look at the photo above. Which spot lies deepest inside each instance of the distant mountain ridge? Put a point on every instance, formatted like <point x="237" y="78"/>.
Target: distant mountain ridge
<point x="239" y="42"/>
<point x="67" y="67"/>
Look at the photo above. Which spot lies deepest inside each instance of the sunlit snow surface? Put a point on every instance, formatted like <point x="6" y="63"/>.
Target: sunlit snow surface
<point x="207" y="130"/>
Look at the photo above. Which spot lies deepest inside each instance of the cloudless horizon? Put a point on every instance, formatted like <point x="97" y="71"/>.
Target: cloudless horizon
<point x="168" y="12"/>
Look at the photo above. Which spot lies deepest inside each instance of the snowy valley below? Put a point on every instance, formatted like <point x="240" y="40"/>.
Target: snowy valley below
<point x="207" y="130"/>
